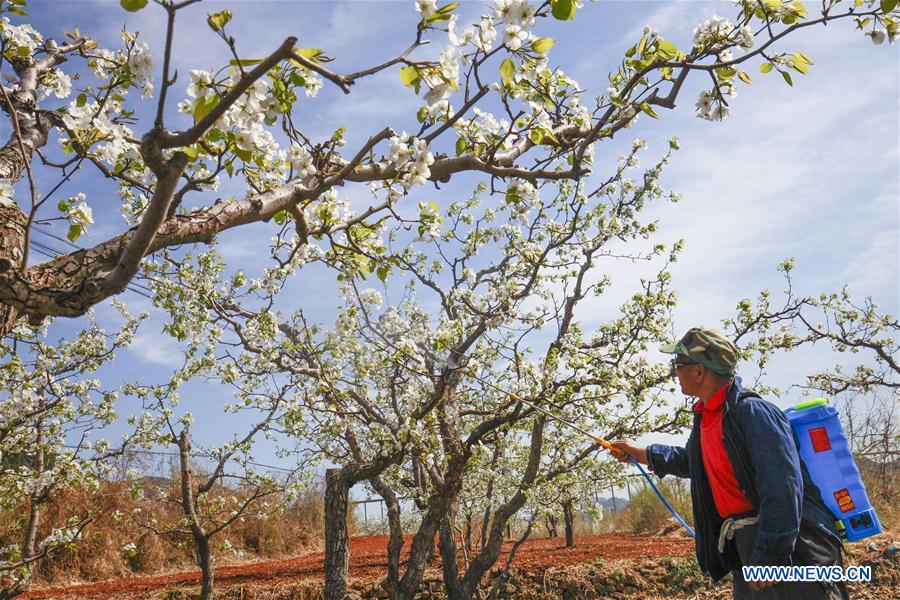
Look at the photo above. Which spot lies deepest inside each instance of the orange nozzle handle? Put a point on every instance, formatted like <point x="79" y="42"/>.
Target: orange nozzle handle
<point x="606" y="444"/>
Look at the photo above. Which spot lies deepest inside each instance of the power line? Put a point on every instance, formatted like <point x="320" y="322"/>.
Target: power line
<point x="201" y="455"/>
<point x="77" y="247"/>
<point x="51" y="252"/>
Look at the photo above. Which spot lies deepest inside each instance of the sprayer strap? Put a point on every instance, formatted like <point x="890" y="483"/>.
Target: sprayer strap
<point x="730" y="526"/>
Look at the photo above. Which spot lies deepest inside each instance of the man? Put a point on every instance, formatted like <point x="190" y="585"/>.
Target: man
<point x="753" y="501"/>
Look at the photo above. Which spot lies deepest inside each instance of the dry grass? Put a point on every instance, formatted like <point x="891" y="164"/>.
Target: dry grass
<point x="99" y="554"/>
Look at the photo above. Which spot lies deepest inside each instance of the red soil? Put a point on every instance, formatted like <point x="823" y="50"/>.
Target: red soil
<point x="368" y="563"/>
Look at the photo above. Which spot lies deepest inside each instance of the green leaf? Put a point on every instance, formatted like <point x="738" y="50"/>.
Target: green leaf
<point x="133" y="5"/>
<point x="192" y="152"/>
<point x="888" y="5"/>
<point x="563" y="10"/>
<point x="725" y="73"/>
<point x="244" y="155"/>
<point x="280" y="217"/>
<point x="75" y="231"/>
<point x="787" y="78"/>
<point x="448" y="8"/>
<point x="536" y="135"/>
<point x="642" y="45"/>
<point x="81" y="100"/>
<point x="409" y="76"/>
<point x="217" y="21"/>
<point x="745" y="77"/>
<point x="766" y="67"/>
<point x="507" y="68"/>
<point x="382" y="272"/>
<point x="800" y="9"/>
<point x="244" y="62"/>
<point x="313" y="54"/>
<point x="461" y="145"/>
<point x="542" y="45"/>
<point x="203" y="105"/>
<point x="645" y="106"/>
<point x="63" y="206"/>
<point x="668" y="50"/>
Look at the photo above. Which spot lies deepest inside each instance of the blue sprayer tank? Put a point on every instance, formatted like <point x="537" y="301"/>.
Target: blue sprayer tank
<point x="827" y="455"/>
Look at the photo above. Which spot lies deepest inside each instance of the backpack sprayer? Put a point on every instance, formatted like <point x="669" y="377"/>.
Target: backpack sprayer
<point x="598" y="440"/>
<point x="824" y="449"/>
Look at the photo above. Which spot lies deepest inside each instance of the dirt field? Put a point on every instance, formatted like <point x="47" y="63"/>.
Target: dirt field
<point x="633" y="567"/>
<point x="368" y="563"/>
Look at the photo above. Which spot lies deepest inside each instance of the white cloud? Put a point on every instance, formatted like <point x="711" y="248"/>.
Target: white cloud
<point x="156" y="349"/>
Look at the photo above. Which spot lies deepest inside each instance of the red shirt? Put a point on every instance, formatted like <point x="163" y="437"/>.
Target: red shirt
<point x="725" y="489"/>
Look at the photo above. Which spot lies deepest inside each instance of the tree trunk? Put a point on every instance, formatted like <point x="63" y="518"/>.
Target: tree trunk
<point x="569" y="516"/>
<point x="492" y="549"/>
<point x="450" y="566"/>
<point x="551" y="527"/>
<point x="337" y="547"/>
<point x="204" y="561"/>
<point x="201" y="539"/>
<point x="423" y="542"/>
<point x="35" y="503"/>
<point x="12" y="253"/>
<point x="395" y="542"/>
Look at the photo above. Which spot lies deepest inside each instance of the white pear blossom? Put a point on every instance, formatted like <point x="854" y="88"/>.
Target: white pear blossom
<point x="201" y="82"/>
<point x="313" y="85"/>
<point x="79" y="213"/>
<point x="712" y="33"/>
<point x="20" y="36"/>
<point x="427" y="8"/>
<point x="56" y="82"/>
<point x="412" y="157"/>
<point x="103" y="59"/>
<point x="371" y="297"/>
<point x="141" y="64"/>
<point x="301" y="160"/>
<point x="514" y="36"/>
<point x="486" y="35"/>
<point x="745" y="37"/>
<point x="515" y="12"/>
<point x="710" y="108"/>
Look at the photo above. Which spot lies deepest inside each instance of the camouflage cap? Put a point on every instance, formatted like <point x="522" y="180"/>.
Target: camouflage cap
<point x="707" y="347"/>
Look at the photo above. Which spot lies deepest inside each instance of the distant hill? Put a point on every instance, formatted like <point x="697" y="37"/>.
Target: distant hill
<point x="607" y="504"/>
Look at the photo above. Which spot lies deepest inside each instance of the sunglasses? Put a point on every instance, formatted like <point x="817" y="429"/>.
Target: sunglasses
<point x="677" y="364"/>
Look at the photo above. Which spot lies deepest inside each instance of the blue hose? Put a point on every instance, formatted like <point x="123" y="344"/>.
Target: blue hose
<point x="660" y="496"/>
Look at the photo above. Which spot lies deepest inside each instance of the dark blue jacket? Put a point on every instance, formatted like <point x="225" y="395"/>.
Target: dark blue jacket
<point x="762" y="448"/>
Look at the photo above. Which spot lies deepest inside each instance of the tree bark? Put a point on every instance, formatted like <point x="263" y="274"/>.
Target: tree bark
<point x="423" y="541"/>
<point x="12" y="252"/>
<point x="337" y="548"/>
<point x="569" y="516"/>
<point x="204" y="561"/>
<point x="395" y="542"/>
<point x="492" y="549"/>
<point x="201" y="539"/>
<point x="551" y="527"/>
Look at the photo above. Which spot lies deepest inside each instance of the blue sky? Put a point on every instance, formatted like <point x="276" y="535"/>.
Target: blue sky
<point x="809" y="172"/>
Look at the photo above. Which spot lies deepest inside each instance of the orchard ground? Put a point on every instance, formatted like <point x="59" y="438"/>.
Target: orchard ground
<point x="617" y="565"/>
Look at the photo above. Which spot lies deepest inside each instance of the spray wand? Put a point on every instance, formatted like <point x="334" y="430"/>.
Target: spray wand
<point x="597" y="439"/>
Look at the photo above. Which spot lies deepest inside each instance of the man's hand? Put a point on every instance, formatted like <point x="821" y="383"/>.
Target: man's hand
<point x="626" y="449"/>
<point x="757" y="586"/>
